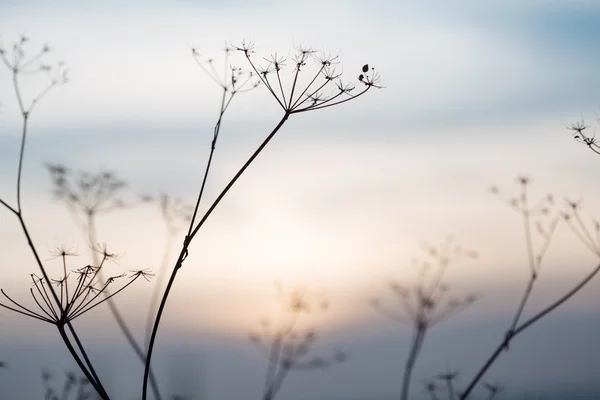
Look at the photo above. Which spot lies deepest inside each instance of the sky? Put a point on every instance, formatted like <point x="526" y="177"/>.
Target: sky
<point x="338" y="204"/>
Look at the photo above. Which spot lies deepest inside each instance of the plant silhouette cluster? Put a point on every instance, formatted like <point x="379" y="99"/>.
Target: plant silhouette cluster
<point x="80" y="290"/>
<point x="427" y="302"/>
<point x="88" y="195"/>
<point x="306" y="80"/>
<point x="285" y="345"/>
<point x="581" y="133"/>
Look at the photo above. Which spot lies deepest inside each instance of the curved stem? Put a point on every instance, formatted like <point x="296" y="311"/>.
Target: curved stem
<point x="102" y="392"/>
<point x="417" y="342"/>
<point x="90" y="378"/>
<point x="155" y="291"/>
<point x="137" y="348"/>
<point x="508" y="338"/>
<point x="213" y="146"/>
<point x="21" y="156"/>
<point x="184" y="249"/>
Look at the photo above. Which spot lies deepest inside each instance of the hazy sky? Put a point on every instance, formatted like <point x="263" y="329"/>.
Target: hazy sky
<point x="475" y="94"/>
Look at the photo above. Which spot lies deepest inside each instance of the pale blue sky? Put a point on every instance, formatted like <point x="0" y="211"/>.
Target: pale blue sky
<point x="476" y="93"/>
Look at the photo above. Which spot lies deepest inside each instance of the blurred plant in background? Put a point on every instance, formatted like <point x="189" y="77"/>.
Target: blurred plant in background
<point x="286" y="344"/>
<point x="427" y="301"/>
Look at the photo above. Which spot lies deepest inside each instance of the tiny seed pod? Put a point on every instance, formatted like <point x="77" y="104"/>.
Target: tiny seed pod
<point x="365" y="68"/>
<point x="361" y="77"/>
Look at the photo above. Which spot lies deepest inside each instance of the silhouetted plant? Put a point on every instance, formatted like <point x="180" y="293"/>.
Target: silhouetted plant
<point x="176" y="215"/>
<point x="581" y="133"/>
<point x="61" y="300"/>
<point x="88" y="195"/>
<point x="93" y="194"/>
<point x="17" y="62"/>
<point x="86" y="294"/>
<point x="425" y="303"/>
<point x="80" y="291"/>
<point x="286" y="345"/>
<point x="299" y="98"/>
<point x="545" y="220"/>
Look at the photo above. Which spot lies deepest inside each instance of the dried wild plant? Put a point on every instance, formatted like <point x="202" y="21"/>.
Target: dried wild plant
<point x="176" y="215"/>
<point x="541" y="218"/>
<point x="88" y="195"/>
<point x="286" y="345"/>
<point x="18" y="64"/>
<point x="300" y="96"/>
<point x="581" y="134"/>
<point x="427" y="302"/>
<point x="86" y="290"/>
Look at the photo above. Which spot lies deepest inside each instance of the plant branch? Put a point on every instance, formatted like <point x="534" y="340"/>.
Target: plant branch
<point x="508" y="338"/>
<point x="184" y="250"/>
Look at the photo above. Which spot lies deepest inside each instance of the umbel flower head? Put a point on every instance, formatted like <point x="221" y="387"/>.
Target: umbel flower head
<point x="294" y="342"/>
<point x="315" y="81"/>
<point x="286" y="345"/>
<point x="87" y="192"/>
<point x="80" y="290"/>
<point x="17" y="61"/>
<point x="427" y="302"/>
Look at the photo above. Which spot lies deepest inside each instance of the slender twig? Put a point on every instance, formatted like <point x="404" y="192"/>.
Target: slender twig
<point x="16" y="68"/>
<point x="415" y="348"/>
<point x="507" y="339"/>
<point x="184" y="250"/>
<point x="521" y="205"/>
<point x="137" y="348"/>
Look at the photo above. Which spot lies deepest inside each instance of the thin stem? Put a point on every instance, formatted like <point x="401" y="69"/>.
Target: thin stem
<point x="266" y="83"/>
<point x="276" y="384"/>
<point x="333" y="104"/>
<point x="137" y="348"/>
<point x="295" y="105"/>
<point x="522" y="304"/>
<point x="508" y="338"/>
<point x="52" y="317"/>
<point x="272" y="369"/>
<point x="558" y="302"/>
<point x="5" y="204"/>
<point x="209" y="162"/>
<point x="19" y="214"/>
<point x="155" y="291"/>
<point x="238" y="174"/>
<point x="27" y="311"/>
<point x="450" y="389"/>
<point x="83" y="308"/>
<point x="21" y="154"/>
<point x="92" y="378"/>
<point x="184" y="250"/>
<point x="15" y="73"/>
<point x="87" y="359"/>
<point x="281" y="88"/>
<point x="417" y="341"/>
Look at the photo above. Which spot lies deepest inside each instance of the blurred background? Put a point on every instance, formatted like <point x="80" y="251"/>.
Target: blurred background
<point x="339" y="202"/>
